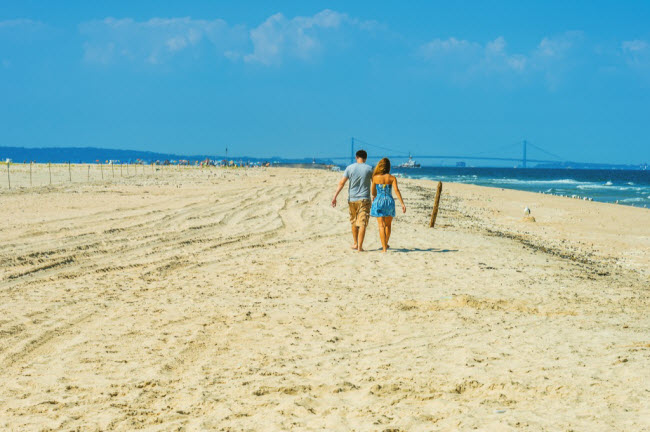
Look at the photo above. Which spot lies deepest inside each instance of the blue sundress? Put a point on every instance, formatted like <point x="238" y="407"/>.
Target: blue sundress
<point x="384" y="204"/>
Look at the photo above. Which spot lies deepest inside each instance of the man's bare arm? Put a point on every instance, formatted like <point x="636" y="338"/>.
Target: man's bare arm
<point x="373" y="189"/>
<point x="338" y="190"/>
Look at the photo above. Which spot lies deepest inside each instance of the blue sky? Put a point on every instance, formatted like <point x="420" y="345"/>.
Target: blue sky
<point x="298" y="79"/>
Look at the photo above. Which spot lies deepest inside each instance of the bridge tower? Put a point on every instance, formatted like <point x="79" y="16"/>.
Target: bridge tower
<point x="523" y="160"/>
<point x="352" y="158"/>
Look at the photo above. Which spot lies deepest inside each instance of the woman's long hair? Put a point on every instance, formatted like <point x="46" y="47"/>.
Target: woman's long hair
<point x="383" y="167"/>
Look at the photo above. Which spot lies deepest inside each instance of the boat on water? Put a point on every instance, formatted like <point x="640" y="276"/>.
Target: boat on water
<point x="410" y="163"/>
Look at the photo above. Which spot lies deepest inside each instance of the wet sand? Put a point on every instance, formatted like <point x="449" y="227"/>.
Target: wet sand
<point x="230" y="300"/>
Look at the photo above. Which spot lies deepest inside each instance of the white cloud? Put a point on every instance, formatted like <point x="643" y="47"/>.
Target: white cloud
<point x="558" y="46"/>
<point x="496" y="58"/>
<point x="159" y="39"/>
<point x="439" y="47"/>
<point x="635" y="46"/>
<point x="463" y="60"/>
<point x="299" y="37"/>
<point x="637" y="55"/>
<point x="19" y="23"/>
<point x="555" y="56"/>
<point x="496" y="47"/>
<point x="156" y="40"/>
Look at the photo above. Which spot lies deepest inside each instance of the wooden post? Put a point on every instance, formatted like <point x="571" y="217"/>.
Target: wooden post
<point x="88" y="178"/>
<point x="101" y="169"/>
<point x="121" y="165"/>
<point x="69" y="172"/>
<point x="127" y="169"/>
<point x="49" y="168"/>
<point x="8" y="175"/>
<point x="30" y="175"/>
<point x="434" y="213"/>
<point x="113" y="169"/>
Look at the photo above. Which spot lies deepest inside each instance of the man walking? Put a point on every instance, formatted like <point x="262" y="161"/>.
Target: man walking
<point x="360" y="176"/>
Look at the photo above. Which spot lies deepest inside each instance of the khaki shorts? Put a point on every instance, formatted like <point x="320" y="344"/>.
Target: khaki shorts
<point x="359" y="212"/>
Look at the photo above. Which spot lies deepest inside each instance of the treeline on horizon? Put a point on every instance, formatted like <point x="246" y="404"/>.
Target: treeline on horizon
<point x="101" y="155"/>
<point x="94" y="154"/>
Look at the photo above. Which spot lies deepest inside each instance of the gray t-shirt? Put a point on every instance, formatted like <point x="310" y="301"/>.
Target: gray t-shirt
<point x="360" y="176"/>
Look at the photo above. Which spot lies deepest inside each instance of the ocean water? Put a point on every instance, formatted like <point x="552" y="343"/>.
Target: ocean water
<point x="627" y="187"/>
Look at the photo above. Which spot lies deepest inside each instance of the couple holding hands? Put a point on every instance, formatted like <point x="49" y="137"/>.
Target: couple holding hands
<point x="364" y="182"/>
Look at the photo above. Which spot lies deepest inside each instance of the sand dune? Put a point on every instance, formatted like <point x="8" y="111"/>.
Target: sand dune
<point x="229" y="300"/>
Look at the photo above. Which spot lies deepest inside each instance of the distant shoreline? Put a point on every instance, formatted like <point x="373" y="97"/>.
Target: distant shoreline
<point x="97" y="155"/>
<point x="601" y="188"/>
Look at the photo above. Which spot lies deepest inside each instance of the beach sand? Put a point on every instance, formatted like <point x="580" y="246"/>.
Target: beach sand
<point x="230" y="300"/>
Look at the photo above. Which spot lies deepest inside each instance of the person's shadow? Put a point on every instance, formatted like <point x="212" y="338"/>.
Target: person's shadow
<point x="436" y="250"/>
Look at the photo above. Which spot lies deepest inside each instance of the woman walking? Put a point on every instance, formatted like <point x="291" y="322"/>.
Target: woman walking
<point x="383" y="204"/>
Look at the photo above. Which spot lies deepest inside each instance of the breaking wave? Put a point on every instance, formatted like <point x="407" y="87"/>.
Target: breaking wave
<point x="627" y="187"/>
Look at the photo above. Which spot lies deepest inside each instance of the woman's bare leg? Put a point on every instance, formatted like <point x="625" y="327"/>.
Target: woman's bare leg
<point x="382" y="233"/>
<point x="388" y="221"/>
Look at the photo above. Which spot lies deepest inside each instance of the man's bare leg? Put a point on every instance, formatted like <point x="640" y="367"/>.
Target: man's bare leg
<point x="362" y="234"/>
<point x="355" y="235"/>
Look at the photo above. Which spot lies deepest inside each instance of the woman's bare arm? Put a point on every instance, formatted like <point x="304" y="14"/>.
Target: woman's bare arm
<point x="373" y="189"/>
<point x="399" y="195"/>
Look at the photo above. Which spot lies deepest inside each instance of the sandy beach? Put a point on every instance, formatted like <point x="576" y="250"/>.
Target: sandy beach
<point x="229" y="299"/>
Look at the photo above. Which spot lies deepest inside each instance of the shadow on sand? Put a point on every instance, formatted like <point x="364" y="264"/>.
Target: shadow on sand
<point x="403" y="250"/>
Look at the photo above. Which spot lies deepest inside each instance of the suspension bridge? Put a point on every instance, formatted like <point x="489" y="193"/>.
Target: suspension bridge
<point x="356" y="143"/>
